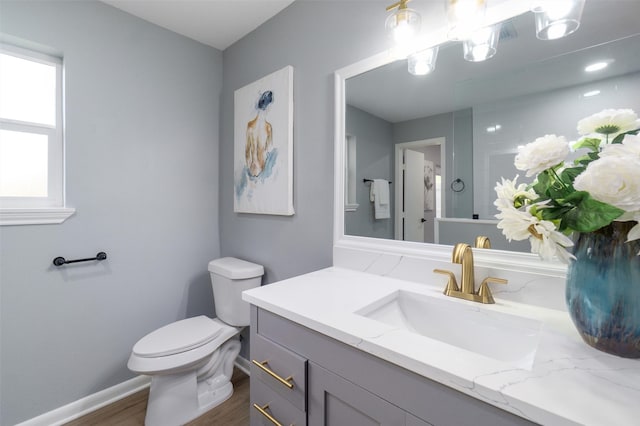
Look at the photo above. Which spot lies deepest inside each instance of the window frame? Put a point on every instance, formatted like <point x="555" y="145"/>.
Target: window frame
<point x="50" y="209"/>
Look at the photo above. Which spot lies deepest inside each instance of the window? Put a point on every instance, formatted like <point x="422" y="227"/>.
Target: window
<point x="31" y="138"/>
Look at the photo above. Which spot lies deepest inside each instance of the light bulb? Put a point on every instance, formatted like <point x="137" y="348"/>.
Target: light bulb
<point x="482" y="44"/>
<point x="423" y="62"/>
<point x="403" y="25"/>
<point x="557" y="18"/>
<point x="464" y="16"/>
<point x="556" y="31"/>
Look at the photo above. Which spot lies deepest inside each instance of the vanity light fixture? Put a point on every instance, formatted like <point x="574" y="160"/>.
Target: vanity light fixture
<point x="557" y="18"/>
<point x="423" y="62"/>
<point x="464" y="16"/>
<point x="403" y="24"/>
<point x="482" y="44"/>
<point x="596" y="66"/>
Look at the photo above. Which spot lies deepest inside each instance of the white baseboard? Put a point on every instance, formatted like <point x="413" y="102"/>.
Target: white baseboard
<point x="95" y="401"/>
<point x="243" y="365"/>
<point x="90" y="403"/>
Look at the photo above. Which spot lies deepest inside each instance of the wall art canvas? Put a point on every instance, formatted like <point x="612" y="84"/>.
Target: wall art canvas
<point x="429" y="185"/>
<point x="263" y="145"/>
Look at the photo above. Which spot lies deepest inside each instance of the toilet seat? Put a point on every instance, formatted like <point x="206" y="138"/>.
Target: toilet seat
<point x="178" y="337"/>
<point x="190" y="354"/>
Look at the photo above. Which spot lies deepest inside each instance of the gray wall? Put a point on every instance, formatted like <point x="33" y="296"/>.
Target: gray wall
<point x="142" y="132"/>
<point x="457" y="128"/>
<point x="316" y="38"/>
<point x="374" y="160"/>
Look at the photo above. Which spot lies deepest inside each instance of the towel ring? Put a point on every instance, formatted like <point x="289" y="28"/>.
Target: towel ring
<point x="457" y="185"/>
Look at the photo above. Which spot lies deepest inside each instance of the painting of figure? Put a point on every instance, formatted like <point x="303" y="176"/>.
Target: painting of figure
<point x="429" y="185"/>
<point x="259" y="136"/>
<point x="263" y="145"/>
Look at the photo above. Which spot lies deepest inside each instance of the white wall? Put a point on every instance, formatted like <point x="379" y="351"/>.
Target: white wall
<point x="142" y="110"/>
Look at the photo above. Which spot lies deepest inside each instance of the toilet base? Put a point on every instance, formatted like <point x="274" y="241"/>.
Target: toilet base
<point x="175" y="399"/>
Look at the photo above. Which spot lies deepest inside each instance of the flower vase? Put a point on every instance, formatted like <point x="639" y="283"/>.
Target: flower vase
<point x="603" y="290"/>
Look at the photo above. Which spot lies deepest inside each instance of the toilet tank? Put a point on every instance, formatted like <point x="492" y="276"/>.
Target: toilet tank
<point x="229" y="278"/>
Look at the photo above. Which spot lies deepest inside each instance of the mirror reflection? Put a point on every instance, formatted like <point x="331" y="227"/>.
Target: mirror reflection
<point x="441" y="141"/>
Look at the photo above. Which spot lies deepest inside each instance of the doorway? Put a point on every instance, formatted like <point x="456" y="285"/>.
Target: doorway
<point x="419" y="168"/>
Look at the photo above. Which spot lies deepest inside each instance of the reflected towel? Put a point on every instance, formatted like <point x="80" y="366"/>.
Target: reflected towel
<point x="379" y="195"/>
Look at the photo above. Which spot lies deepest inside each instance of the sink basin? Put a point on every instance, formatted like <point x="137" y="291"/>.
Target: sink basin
<point x="504" y="337"/>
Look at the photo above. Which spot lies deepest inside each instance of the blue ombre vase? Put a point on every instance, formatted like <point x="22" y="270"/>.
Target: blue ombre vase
<point x="603" y="290"/>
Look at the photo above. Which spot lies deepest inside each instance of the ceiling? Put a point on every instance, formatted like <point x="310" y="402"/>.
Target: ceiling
<point x="523" y="65"/>
<point x="217" y="23"/>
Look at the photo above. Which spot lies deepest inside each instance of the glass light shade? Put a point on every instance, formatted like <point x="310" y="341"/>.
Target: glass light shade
<point x="423" y="62"/>
<point x="403" y="25"/>
<point x="464" y="16"/>
<point x="482" y="44"/>
<point x="558" y="18"/>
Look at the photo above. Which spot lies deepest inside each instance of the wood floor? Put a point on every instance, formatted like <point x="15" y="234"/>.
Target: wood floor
<point x="130" y="411"/>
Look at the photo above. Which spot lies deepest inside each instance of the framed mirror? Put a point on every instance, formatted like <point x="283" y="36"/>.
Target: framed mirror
<point x="466" y="120"/>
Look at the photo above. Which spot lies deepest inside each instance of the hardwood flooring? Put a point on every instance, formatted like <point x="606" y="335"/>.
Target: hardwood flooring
<point x="131" y="410"/>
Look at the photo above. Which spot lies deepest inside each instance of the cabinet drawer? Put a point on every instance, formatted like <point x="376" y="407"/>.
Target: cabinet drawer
<point x="282" y="411"/>
<point x="283" y="371"/>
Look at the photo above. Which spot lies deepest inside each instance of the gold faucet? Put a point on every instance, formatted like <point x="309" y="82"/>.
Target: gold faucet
<point x="482" y="242"/>
<point x="463" y="255"/>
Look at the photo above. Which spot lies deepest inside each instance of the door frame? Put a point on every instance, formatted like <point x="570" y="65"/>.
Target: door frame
<point x="399" y="181"/>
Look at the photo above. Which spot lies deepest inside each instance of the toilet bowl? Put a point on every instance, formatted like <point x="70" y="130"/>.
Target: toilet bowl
<point x="191" y="361"/>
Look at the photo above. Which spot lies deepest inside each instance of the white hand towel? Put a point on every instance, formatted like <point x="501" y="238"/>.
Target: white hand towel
<point x="379" y="194"/>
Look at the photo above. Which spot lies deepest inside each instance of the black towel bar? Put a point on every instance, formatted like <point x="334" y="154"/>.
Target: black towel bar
<point x="59" y="261"/>
<point x="371" y="180"/>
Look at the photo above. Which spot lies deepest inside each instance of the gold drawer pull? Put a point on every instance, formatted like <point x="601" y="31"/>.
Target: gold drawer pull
<point x="263" y="411"/>
<point x="285" y="381"/>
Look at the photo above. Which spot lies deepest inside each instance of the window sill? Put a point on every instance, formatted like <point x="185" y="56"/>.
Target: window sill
<point x="41" y="216"/>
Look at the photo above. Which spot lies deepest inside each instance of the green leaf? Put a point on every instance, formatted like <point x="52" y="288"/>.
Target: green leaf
<point x="587" y="158"/>
<point x="554" y="213"/>
<point x="591" y="143"/>
<point x="541" y="185"/>
<point x="588" y="214"/>
<point x="569" y="175"/>
<point x="620" y="137"/>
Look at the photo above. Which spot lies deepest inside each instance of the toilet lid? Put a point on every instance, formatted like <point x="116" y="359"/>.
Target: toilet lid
<point x="178" y="337"/>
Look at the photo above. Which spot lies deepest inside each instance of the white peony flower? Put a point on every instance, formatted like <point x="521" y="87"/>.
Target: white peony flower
<point x="634" y="233"/>
<point x="541" y="154"/>
<point x="544" y="239"/>
<point x="508" y="191"/>
<point x="612" y="179"/>
<point x="629" y="148"/>
<point x="609" y="122"/>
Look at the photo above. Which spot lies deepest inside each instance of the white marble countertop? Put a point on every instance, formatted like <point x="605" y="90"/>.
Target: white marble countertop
<point x="569" y="382"/>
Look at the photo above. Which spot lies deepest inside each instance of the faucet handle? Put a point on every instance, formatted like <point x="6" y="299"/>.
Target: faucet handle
<point x="482" y="242"/>
<point x="452" y="284"/>
<point x="485" y="292"/>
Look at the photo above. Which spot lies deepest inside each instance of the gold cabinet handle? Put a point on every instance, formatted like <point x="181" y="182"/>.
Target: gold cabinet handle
<point x="263" y="410"/>
<point x="286" y="381"/>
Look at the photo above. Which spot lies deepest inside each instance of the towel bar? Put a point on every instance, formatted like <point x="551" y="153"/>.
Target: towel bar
<point x="371" y="180"/>
<point x="59" y="261"/>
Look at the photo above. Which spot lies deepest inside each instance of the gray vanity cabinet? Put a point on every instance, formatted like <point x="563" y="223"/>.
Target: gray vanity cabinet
<point x="334" y="384"/>
<point x="334" y="401"/>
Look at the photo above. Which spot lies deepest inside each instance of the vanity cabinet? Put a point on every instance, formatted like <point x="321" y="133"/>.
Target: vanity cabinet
<point x="337" y="385"/>
<point x="336" y="401"/>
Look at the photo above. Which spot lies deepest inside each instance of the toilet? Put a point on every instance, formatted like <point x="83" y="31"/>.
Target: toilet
<point x="191" y="361"/>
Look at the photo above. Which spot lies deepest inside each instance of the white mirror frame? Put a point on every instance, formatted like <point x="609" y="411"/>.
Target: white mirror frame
<point x="498" y="259"/>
